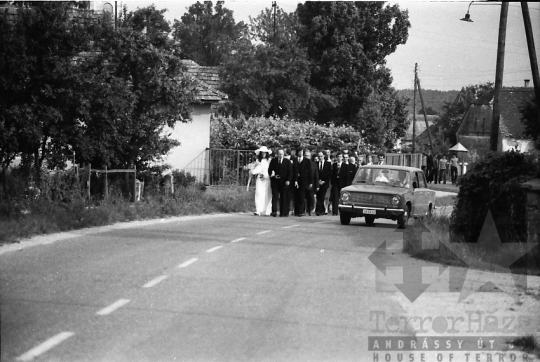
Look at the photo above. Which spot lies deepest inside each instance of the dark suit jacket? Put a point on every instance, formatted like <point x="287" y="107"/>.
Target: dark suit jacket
<point x="326" y="173"/>
<point x="343" y="174"/>
<point x="352" y="172"/>
<point x="294" y="165"/>
<point x="305" y="176"/>
<point x="284" y="171"/>
<point x="315" y="176"/>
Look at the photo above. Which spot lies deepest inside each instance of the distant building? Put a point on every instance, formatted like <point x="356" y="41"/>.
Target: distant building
<point x="420" y="128"/>
<point x="194" y="136"/>
<point x="475" y="128"/>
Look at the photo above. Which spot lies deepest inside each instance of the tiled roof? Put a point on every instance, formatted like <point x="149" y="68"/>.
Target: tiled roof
<point x="476" y="121"/>
<point x="510" y="102"/>
<point x="420" y="125"/>
<point x="207" y="79"/>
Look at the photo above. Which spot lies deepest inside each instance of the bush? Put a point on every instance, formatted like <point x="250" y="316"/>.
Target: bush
<point x="494" y="184"/>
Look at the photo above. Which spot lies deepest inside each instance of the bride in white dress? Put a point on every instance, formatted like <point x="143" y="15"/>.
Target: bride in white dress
<point x="263" y="192"/>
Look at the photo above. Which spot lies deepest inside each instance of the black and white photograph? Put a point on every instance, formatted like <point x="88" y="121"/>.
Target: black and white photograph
<point x="261" y="181"/>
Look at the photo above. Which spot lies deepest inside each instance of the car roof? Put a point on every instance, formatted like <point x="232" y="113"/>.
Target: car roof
<point x="393" y="167"/>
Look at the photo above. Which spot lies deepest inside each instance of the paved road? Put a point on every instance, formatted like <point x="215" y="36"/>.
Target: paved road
<point x="214" y="288"/>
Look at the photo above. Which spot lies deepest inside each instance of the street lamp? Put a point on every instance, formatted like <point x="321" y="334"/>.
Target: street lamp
<point x="500" y="63"/>
<point x="467" y="17"/>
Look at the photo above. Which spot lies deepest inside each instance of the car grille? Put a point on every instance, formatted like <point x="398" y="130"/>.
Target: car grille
<point x="372" y="199"/>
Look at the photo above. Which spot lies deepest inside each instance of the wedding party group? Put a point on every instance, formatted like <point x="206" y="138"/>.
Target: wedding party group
<point x="300" y="182"/>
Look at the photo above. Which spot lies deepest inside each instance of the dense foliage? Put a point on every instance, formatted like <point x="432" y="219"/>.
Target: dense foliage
<point x="529" y="116"/>
<point x="347" y="44"/>
<point x="242" y="133"/>
<point x="208" y="33"/>
<point x="72" y="84"/>
<point x="493" y="184"/>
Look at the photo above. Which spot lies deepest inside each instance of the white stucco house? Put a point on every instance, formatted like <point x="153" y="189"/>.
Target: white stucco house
<point x="194" y="136"/>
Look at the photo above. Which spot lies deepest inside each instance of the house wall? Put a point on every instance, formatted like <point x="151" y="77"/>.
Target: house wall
<point x="522" y="145"/>
<point x="480" y="144"/>
<point x="194" y="137"/>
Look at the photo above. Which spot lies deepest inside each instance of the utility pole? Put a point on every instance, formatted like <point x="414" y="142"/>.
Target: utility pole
<point x="425" y="114"/>
<point x="494" y="139"/>
<point x="414" y="110"/>
<point x="532" y="55"/>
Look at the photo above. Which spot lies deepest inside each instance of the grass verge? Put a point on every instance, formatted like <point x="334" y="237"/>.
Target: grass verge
<point x="25" y="219"/>
<point x="477" y="256"/>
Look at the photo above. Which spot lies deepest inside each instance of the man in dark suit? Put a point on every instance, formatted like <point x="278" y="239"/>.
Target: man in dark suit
<point x="310" y="192"/>
<point x="339" y="181"/>
<point x="280" y="171"/>
<point x="325" y="174"/>
<point x="293" y="197"/>
<point x="303" y="182"/>
<point x="351" y="168"/>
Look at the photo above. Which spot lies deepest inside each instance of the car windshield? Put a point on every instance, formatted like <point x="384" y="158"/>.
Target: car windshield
<point x="382" y="176"/>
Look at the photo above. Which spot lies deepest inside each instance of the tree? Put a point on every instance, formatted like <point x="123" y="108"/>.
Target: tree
<point x="147" y="88"/>
<point x="37" y="48"/>
<point x="347" y="44"/>
<point x="266" y="80"/>
<point x="281" y="29"/>
<point x="429" y="111"/>
<point x="207" y="34"/>
<point x="382" y="118"/>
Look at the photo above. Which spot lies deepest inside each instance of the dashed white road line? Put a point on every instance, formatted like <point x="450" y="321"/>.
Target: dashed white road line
<point x="322" y="222"/>
<point x="188" y="263"/>
<point x="290" y="226"/>
<point x="211" y="250"/>
<point x="155" y="281"/>
<point x="237" y="240"/>
<point x="263" y="232"/>
<point x="45" y="346"/>
<point x="108" y="310"/>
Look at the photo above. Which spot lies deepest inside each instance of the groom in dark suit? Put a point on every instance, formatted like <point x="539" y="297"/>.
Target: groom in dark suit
<point x="325" y="174"/>
<point x="304" y="181"/>
<point x="280" y="171"/>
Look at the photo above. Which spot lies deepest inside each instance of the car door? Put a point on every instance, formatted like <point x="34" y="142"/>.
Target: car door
<point x="420" y="195"/>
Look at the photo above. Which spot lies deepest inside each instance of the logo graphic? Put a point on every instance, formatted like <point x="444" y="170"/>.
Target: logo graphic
<point x="412" y="286"/>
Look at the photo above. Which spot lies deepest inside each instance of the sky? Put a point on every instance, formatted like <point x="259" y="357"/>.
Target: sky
<point x="450" y="53"/>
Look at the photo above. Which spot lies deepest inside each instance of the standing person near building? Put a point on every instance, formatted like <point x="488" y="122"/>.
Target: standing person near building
<point x="436" y="169"/>
<point x="429" y="166"/>
<point x="424" y="162"/>
<point x="454" y="168"/>
<point x="442" y="169"/>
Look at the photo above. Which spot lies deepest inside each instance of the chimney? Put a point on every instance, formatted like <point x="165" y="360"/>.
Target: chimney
<point x="527" y="83"/>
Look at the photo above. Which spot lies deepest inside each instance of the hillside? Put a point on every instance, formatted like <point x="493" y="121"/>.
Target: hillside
<point x="432" y="98"/>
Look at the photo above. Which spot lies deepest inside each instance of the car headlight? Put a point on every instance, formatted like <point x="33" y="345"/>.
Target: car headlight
<point x="395" y="200"/>
<point x="345" y="197"/>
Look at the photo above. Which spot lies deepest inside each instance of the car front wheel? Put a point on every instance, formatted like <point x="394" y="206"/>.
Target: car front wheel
<point x="345" y="218"/>
<point x="402" y="221"/>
